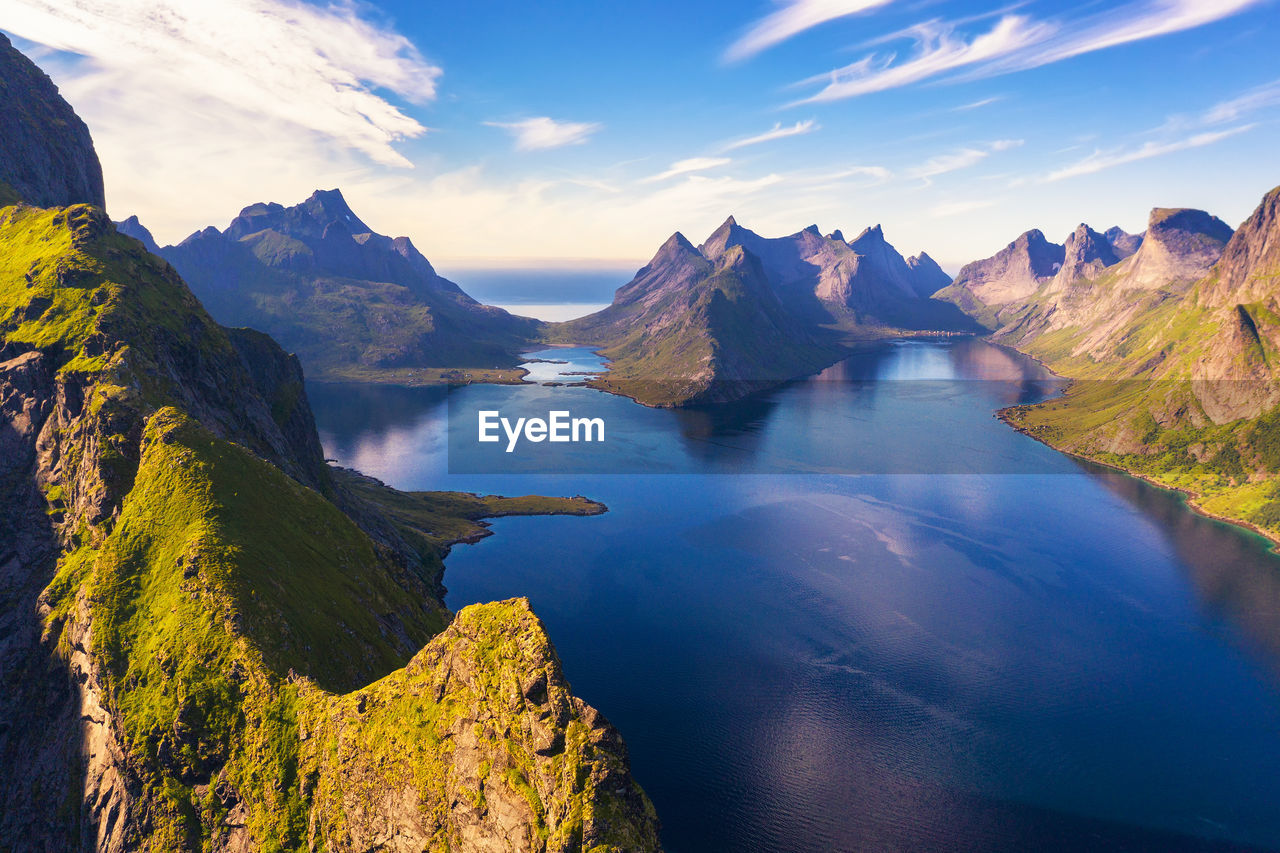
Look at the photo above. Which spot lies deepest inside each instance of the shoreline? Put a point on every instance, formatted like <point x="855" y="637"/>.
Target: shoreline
<point x="1189" y="498"/>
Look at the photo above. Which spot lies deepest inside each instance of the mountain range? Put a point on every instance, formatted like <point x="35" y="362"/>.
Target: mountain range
<point x="711" y="323"/>
<point x="210" y="640"/>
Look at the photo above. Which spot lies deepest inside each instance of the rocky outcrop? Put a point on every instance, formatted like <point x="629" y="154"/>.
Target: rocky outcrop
<point x="500" y="748"/>
<point x="1122" y="242"/>
<point x="48" y="158"/>
<point x="1249" y="269"/>
<point x="181" y="597"/>
<point x="1180" y="246"/>
<point x="1086" y="253"/>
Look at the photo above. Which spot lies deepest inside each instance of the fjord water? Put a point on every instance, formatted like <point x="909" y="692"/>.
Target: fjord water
<point x="1030" y="654"/>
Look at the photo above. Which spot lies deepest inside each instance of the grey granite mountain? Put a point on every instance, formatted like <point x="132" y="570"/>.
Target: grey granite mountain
<point x="1122" y="242"/>
<point x="351" y="302"/>
<point x="49" y="159"/>
<point x="985" y="288"/>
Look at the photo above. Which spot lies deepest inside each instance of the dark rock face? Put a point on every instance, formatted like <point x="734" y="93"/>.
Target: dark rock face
<point x="48" y="157"/>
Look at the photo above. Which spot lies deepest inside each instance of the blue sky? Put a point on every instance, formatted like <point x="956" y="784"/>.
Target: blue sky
<point x="534" y="133"/>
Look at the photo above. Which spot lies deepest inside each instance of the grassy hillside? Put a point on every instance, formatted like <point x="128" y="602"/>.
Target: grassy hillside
<point x="220" y="612"/>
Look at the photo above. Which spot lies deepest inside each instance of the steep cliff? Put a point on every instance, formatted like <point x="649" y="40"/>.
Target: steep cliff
<point x="48" y="155"/>
<point x="182" y="589"/>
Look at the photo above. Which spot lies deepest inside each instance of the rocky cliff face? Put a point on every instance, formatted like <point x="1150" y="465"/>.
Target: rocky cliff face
<point x="1180" y="247"/>
<point x="352" y="303"/>
<point x="48" y="159"/>
<point x="1249" y="269"/>
<point x="181" y="594"/>
<point x="1085" y="254"/>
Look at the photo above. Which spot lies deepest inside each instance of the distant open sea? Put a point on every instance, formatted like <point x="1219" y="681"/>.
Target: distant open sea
<point x="545" y="293"/>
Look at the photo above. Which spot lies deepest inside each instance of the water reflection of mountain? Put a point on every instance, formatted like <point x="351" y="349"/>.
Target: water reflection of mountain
<point x="1237" y="577"/>
<point x="351" y="413"/>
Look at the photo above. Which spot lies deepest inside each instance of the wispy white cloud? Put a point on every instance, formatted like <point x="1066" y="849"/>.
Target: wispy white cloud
<point x="310" y="68"/>
<point x="684" y="167"/>
<point x="800" y="128"/>
<point x="793" y="18"/>
<point x="534" y="134"/>
<point x="975" y="105"/>
<point x="199" y="108"/>
<point x="1261" y="97"/>
<point x="963" y="158"/>
<point x="1016" y="42"/>
<point x="1124" y="24"/>
<point x="939" y="49"/>
<point x="1100" y="160"/>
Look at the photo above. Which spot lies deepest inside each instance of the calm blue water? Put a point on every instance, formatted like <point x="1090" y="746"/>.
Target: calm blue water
<point x="1064" y="658"/>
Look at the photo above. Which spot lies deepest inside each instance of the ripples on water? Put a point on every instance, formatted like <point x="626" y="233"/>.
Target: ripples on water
<point x="1060" y="659"/>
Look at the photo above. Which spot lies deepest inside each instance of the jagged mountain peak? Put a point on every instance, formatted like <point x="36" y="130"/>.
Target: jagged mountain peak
<point x="875" y="232"/>
<point x="677" y="243"/>
<point x="836" y="235"/>
<point x="1249" y="269"/>
<point x="331" y="205"/>
<point x="133" y="227"/>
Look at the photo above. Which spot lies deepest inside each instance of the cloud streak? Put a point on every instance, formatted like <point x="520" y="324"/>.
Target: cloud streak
<point x="1016" y="42"/>
<point x="795" y="17"/>
<point x="800" y="128"/>
<point x="685" y="167"/>
<point x="954" y="161"/>
<point x="540" y="133"/>
<point x="1101" y="160"/>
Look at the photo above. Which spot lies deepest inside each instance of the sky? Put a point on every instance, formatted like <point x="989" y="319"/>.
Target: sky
<point x="585" y="133"/>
